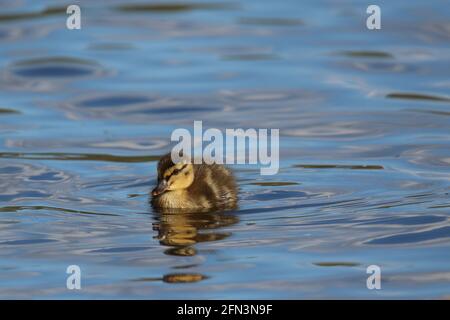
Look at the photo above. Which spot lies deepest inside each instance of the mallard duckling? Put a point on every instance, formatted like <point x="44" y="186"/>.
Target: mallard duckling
<point x="193" y="187"/>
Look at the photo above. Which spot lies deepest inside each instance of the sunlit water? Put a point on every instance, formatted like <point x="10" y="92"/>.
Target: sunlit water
<point x="364" y="121"/>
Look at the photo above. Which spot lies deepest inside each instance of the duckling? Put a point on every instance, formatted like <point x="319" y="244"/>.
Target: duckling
<point x="193" y="187"/>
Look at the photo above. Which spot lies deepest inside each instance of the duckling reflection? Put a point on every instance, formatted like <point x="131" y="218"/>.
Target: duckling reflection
<point x="182" y="231"/>
<point x="175" y="278"/>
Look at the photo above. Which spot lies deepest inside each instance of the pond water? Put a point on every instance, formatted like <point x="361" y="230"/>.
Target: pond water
<point x="364" y="123"/>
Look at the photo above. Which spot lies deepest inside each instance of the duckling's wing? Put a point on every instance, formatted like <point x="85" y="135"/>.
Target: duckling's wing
<point x="227" y="199"/>
<point x="226" y="185"/>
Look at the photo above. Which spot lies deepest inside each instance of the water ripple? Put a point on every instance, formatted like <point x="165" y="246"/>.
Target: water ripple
<point x="413" y="237"/>
<point x="78" y="157"/>
<point x="55" y="67"/>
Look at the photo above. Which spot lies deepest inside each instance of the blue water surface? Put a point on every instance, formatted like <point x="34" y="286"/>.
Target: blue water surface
<point x="364" y="123"/>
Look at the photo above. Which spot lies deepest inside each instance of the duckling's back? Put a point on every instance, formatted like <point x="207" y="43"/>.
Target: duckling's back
<point x="214" y="186"/>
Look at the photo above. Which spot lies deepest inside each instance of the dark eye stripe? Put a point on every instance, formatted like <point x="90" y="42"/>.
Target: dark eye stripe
<point x="177" y="171"/>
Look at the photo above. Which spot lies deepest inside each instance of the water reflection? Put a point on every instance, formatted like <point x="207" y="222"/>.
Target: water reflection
<point x="50" y="11"/>
<point x="4" y="111"/>
<point x="181" y="231"/>
<point x="173" y="7"/>
<point x="417" y="96"/>
<point x="78" y="157"/>
<point x="175" y="278"/>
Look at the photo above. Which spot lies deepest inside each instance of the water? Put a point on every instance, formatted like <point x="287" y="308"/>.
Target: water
<point x="365" y="148"/>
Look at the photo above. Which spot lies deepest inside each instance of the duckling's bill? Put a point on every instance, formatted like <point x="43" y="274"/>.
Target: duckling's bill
<point x="160" y="188"/>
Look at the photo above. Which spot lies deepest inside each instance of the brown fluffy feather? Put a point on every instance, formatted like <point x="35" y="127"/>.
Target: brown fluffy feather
<point x="213" y="188"/>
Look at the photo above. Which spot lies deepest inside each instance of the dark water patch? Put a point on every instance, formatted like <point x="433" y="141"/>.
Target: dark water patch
<point x="54" y="67"/>
<point x="10" y="209"/>
<point x="406" y="221"/>
<point x="119" y="250"/>
<point x="250" y="57"/>
<point x="440" y="206"/>
<point x="8" y="222"/>
<point x="26" y="242"/>
<point x="413" y="237"/>
<point x="420" y="195"/>
<point x="4" y="111"/>
<point x="47" y="208"/>
<point x="51" y="11"/>
<point x="274" y="183"/>
<point x="366" y="54"/>
<point x="186" y="266"/>
<point x="417" y="96"/>
<point x="10" y="170"/>
<point x="53" y="71"/>
<point x="271" y="21"/>
<point x="339" y="166"/>
<point x="395" y="204"/>
<point x="55" y="60"/>
<point x="135" y="195"/>
<point x="435" y="112"/>
<point x="23" y="195"/>
<point x="79" y="157"/>
<point x="47" y="176"/>
<point x="336" y="264"/>
<point x="113" y="101"/>
<point x="174" y="7"/>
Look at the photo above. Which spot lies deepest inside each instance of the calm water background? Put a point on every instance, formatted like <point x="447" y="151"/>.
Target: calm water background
<point x="364" y="120"/>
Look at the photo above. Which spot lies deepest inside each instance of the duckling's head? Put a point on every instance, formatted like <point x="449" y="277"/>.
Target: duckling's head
<point x="173" y="176"/>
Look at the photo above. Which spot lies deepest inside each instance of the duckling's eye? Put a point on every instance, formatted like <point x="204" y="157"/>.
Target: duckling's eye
<point x="177" y="171"/>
